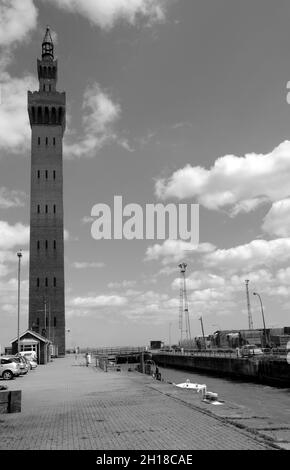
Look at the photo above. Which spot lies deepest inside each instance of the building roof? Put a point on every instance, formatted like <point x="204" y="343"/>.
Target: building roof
<point x="33" y="333"/>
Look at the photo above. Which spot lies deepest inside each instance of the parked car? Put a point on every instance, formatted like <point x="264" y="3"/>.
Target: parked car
<point x="31" y="357"/>
<point x="250" y="350"/>
<point x="24" y="367"/>
<point x="25" y="363"/>
<point x="9" y="368"/>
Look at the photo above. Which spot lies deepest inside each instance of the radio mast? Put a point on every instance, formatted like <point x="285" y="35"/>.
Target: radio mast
<point x="250" y="319"/>
<point x="184" y="323"/>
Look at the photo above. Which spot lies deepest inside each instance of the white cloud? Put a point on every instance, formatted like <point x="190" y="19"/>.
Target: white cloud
<point x="239" y="184"/>
<point x="17" y="19"/>
<point x="14" y="122"/>
<point x="106" y="13"/>
<point x="99" y="115"/>
<point x="13" y="235"/>
<point x="86" y="265"/>
<point x="87" y="219"/>
<point x="251" y="255"/>
<point x="125" y="284"/>
<point x="200" y="279"/>
<point x="9" y="199"/>
<point x="173" y="251"/>
<point x="277" y="221"/>
<point x="98" y="301"/>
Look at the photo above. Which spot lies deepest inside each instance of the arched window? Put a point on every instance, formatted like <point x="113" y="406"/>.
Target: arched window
<point x="46" y="282"/>
<point x="38" y="208"/>
<point x="59" y="115"/>
<point x="38" y="174"/>
<point x="46" y="244"/>
<point x="46" y="174"/>
<point x="54" y="244"/>
<point x="54" y="141"/>
<point x="54" y="208"/>
<point x="46" y="208"/>
<point x="46" y="115"/>
<point x="38" y="140"/>
<point x="54" y="321"/>
<point x="39" y="115"/>
<point x="37" y="282"/>
<point x="38" y="244"/>
<point x="54" y="282"/>
<point x="54" y="174"/>
<point x="53" y="116"/>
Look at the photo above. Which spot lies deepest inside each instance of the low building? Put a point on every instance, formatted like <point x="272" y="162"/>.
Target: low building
<point x="32" y="341"/>
<point x="156" y="344"/>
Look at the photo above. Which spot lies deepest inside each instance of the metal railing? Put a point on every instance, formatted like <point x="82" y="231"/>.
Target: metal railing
<point x="118" y="350"/>
<point x="215" y="353"/>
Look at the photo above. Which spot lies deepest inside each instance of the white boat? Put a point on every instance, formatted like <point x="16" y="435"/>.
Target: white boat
<point x="207" y="397"/>
<point x="191" y="386"/>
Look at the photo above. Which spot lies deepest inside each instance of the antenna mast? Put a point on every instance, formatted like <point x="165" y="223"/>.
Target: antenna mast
<point x="184" y="323"/>
<point x="250" y="319"/>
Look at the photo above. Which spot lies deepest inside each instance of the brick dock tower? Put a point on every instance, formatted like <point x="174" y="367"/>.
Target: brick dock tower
<point x="46" y="109"/>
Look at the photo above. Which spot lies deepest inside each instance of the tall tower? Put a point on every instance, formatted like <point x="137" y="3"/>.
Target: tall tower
<point x="183" y="305"/>
<point x="46" y="108"/>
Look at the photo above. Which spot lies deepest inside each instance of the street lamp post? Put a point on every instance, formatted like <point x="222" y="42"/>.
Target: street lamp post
<point x="19" y="254"/>
<point x="262" y="310"/>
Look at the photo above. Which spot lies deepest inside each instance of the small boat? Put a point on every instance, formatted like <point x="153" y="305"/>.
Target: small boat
<point x="210" y="397"/>
<point x="207" y="397"/>
<point x="191" y="386"/>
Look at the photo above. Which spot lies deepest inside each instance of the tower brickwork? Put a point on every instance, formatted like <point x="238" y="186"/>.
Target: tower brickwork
<point x="47" y="109"/>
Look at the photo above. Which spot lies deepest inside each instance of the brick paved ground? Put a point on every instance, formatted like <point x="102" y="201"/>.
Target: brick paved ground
<point x="69" y="406"/>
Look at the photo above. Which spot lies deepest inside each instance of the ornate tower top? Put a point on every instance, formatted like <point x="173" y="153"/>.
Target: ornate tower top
<point x="47" y="46"/>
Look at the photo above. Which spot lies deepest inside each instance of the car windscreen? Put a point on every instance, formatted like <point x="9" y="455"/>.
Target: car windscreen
<point x="6" y="361"/>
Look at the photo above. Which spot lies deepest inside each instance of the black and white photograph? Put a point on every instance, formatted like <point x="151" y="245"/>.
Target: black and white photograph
<point x="144" y="229"/>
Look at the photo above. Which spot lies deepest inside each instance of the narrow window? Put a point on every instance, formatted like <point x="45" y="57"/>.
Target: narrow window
<point x="46" y="209"/>
<point x="38" y="244"/>
<point x="49" y="87"/>
<point x="46" y="321"/>
<point x="37" y="321"/>
<point x="43" y="87"/>
<point x="38" y="140"/>
<point x="46" y="140"/>
<point x="38" y="174"/>
<point x="54" y="282"/>
<point x="54" y="174"/>
<point x="38" y="208"/>
<point x="46" y="282"/>
<point x="54" y="244"/>
<point x="54" y="321"/>
<point x="46" y="174"/>
<point x="46" y="244"/>
<point x="54" y="141"/>
<point x="54" y="209"/>
<point x="37" y="282"/>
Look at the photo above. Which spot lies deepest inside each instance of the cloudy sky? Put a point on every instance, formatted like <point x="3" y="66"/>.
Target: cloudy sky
<point x="179" y="101"/>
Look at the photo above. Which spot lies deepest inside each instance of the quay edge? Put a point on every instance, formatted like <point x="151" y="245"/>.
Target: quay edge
<point x="261" y="369"/>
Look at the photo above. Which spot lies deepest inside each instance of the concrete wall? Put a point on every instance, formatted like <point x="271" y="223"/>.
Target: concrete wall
<point x="261" y="369"/>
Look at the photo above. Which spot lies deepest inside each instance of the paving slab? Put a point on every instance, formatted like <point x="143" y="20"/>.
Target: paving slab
<point x="68" y="406"/>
